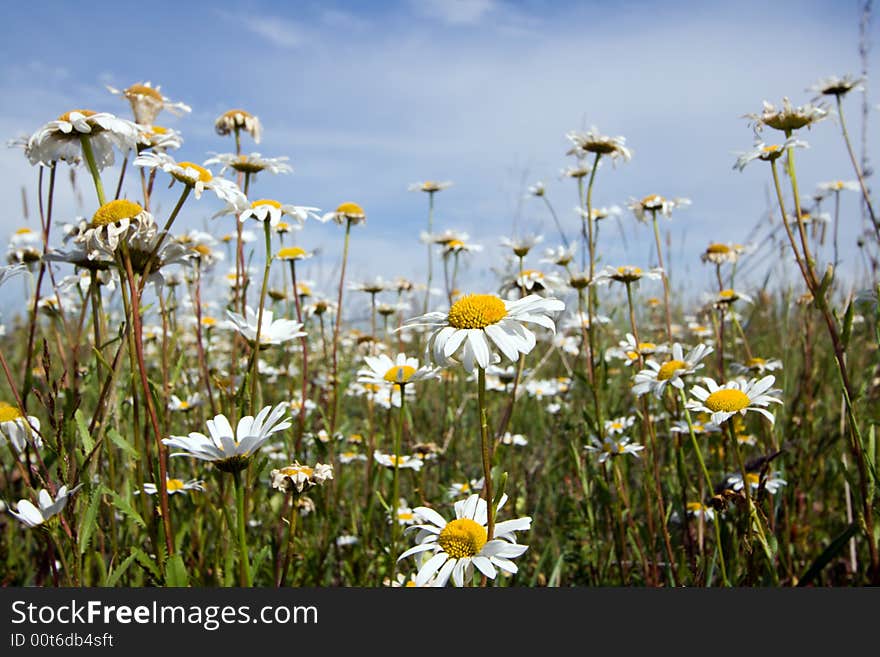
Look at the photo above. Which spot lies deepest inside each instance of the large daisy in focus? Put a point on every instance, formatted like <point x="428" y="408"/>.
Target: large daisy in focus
<point x="477" y="324"/>
<point x="462" y="544"/>
<point x="737" y="396"/>
<point x="62" y="138"/>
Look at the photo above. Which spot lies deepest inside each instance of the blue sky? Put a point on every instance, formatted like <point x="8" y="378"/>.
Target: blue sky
<point x="366" y="98"/>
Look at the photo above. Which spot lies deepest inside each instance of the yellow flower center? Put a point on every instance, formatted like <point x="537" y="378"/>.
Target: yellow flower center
<point x="399" y="374"/>
<point x="8" y="413"/>
<point x="114" y="211"/>
<point x="202" y="250"/>
<point x="756" y="362"/>
<point x="291" y="253"/>
<point x="208" y="321"/>
<point x="303" y="290"/>
<point x="204" y="175"/>
<point x="729" y="400"/>
<point x="669" y="368"/>
<point x="476" y="311"/>
<point x="695" y="506"/>
<point x="430" y="186"/>
<point x="23" y="231"/>
<point x="618" y="426"/>
<point x="282" y="227"/>
<point x="653" y="201"/>
<point x="727" y="294"/>
<point x="159" y="130"/>
<point x="752" y="478"/>
<point x="292" y="471"/>
<point x="174" y="484"/>
<point x="531" y="273"/>
<point x="266" y="201"/>
<point x="629" y="271"/>
<point x="84" y="112"/>
<point x="647" y="347"/>
<point x="454" y="244"/>
<point x="350" y="209"/>
<point x="718" y="248"/>
<point x="772" y="148"/>
<point x="462" y="538"/>
<point x="143" y="90"/>
<point x="405" y="515"/>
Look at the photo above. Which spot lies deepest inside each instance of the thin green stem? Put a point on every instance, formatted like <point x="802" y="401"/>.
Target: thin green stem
<point x="89" y="155"/>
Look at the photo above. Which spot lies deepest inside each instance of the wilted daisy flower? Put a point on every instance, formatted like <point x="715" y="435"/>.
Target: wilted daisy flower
<point x="618" y="425"/>
<point x="460" y="545"/>
<point x="195" y="176"/>
<point x="593" y="142"/>
<point x="837" y="86"/>
<point x="403" y="461"/>
<point x="346" y="212"/>
<point x="61" y="139"/>
<point x="476" y="322"/>
<point x="655" y="377"/>
<point x="737" y="396"/>
<point x="236" y="120"/>
<point x="178" y="486"/>
<point x="788" y="117"/>
<point x="381" y="370"/>
<point x="31" y="516"/>
<point x="767" y="152"/>
<point x="272" y="331"/>
<point x="19" y="429"/>
<point x="429" y="186"/>
<point x="147" y="101"/>
<point x="611" y="447"/>
<point x="230" y="449"/>
<point x="654" y="204"/>
<point x="266" y="209"/>
<point x="521" y="245"/>
<point x="626" y="274"/>
<point x="252" y="163"/>
<point x="296" y="478"/>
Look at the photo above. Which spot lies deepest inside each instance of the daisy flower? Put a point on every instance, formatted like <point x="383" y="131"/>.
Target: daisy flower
<point x="516" y="439"/>
<point x="837" y="86"/>
<point x="537" y="189"/>
<point x="266" y="209"/>
<point x="195" y="176"/>
<point x="350" y="457"/>
<point x="454" y="247"/>
<point x="157" y="138"/>
<point x="61" y="139"/>
<point x="112" y="223"/>
<point x="700" y="427"/>
<point x="429" y="186"/>
<point x="405" y="515"/>
<point x="230" y="449"/>
<point x="298" y="478"/>
<point x="593" y="142"/>
<point x="737" y="396"/>
<point x="178" y="486"/>
<point x="619" y="424"/>
<point x="654" y="204"/>
<point x="347" y="211"/>
<point x="462" y="544"/>
<point x="772" y="483"/>
<point x="252" y="163"/>
<point x="25" y="247"/>
<point x="31" y="516"/>
<point x="655" y="377"/>
<point x="272" y="331"/>
<point x="381" y="370"/>
<point x="521" y="245"/>
<point x="767" y="152"/>
<point x="838" y="186"/>
<point x="630" y="351"/>
<point x="719" y="253"/>
<point x="756" y="365"/>
<point x="626" y="274"/>
<point x="788" y="117"/>
<point x="236" y="120"/>
<point x="560" y="255"/>
<point x="19" y="429"/>
<point x="403" y="461"/>
<point x="478" y="323"/>
<point x="613" y="447"/>
<point x="176" y="404"/>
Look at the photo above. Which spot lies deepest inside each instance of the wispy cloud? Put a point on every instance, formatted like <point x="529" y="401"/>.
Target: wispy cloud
<point x="456" y="12"/>
<point x="276" y="31"/>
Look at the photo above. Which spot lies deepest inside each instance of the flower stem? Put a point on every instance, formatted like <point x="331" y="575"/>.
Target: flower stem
<point x="244" y="572"/>
<point x="852" y="156"/>
<point x="255" y="366"/>
<point x="486" y="453"/>
<point x="336" y="327"/>
<point x="395" y="483"/>
<point x="89" y="155"/>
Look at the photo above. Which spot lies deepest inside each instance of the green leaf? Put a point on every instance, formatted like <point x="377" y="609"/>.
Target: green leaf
<point x="175" y="572"/>
<point x="82" y="426"/>
<point x="828" y="553"/>
<point x="117" y="439"/>
<point x="119" y="571"/>
<point x="125" y="507"/>
<point x="847" y="325"/>
<point x="259" y="558"/>
<point x="90" y="519"/>
<point x="144" y="560"/>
